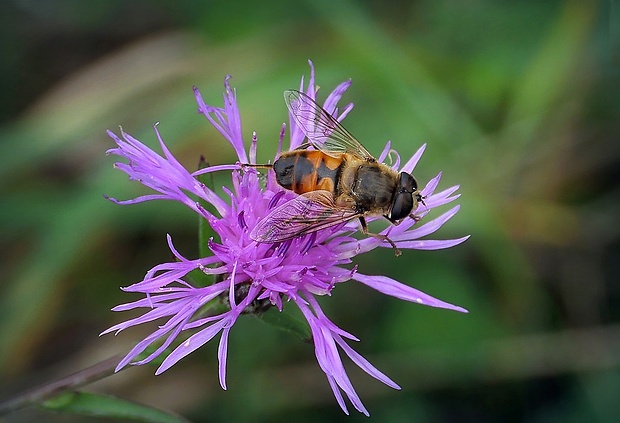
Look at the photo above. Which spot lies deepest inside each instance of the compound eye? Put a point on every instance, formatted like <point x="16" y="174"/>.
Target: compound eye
<point x="407" y="182"/>
<point x="402" y="206"/>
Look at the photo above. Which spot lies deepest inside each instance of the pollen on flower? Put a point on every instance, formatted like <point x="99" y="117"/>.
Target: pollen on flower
<point x="250" y="276"/>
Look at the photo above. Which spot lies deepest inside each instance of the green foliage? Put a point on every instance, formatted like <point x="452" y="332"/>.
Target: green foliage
<point x="287" y="323"/>
<point x="97" y="405"/>
<point x="518" y="103"/>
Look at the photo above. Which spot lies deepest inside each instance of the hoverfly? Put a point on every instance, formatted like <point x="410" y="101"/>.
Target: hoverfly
<point x="336" y="178"/>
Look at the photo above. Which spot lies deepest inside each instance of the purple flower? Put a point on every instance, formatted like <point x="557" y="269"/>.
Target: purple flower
<point x="257" y="275"/>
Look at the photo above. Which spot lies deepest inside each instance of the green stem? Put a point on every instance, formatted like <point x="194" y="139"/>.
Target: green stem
<point x="49" y="390"/>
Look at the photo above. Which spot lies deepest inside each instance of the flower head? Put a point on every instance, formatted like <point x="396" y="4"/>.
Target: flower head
<point x="255" y="275"/>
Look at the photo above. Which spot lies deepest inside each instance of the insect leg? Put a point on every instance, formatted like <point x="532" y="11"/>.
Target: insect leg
<point x="415" y="217"/>
<point x="397" y="252"/>
<point x="257" y="166"/>
<point x="304" y="146"/>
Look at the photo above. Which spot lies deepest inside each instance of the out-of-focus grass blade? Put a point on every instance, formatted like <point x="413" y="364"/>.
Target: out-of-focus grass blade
<point x="99" y="405"/>
<point x="205" y="231"/>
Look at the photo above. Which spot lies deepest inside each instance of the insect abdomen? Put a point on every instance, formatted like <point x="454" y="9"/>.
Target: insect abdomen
<point x="304" y="171"/>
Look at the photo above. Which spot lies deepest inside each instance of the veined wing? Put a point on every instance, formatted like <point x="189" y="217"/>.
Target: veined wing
<point x="322" y="129"/>
<point x="306" y="213"/>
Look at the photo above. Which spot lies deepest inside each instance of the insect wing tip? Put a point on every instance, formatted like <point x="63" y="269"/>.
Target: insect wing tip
<point x="259" y="234"/>
<point x="266" y="231"/>
<point x="291" y="98"/>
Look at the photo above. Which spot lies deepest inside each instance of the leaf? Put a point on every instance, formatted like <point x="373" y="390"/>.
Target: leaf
<point x="98" y="405"/>
<point x="286" y="323"/>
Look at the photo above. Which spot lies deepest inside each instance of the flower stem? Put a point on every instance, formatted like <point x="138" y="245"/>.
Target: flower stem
<point x="49" y="390"/>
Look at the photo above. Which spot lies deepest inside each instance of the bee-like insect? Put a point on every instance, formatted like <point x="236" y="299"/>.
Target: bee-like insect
<point x="336" y="178"/>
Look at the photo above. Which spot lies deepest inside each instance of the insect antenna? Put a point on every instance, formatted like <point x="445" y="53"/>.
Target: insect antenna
<point x="420" y="199"/>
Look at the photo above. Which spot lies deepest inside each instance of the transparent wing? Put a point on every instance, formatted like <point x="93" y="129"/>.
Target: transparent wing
<point x="309" y="212"/>
<point x="322" y="129"/>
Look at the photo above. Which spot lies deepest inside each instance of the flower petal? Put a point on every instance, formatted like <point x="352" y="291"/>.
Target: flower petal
<point x="401" y="232"/>
<point x="413" y="161"/>
<point x="191" y="344"/>
<point x="389" y="286"/>
<point x="431" y="244"/>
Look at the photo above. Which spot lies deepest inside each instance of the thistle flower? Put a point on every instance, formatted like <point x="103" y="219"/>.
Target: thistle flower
<point x="253" y="276"/>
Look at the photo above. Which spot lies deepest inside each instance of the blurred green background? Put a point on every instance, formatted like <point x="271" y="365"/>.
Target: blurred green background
<point x="518" y="102"/>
